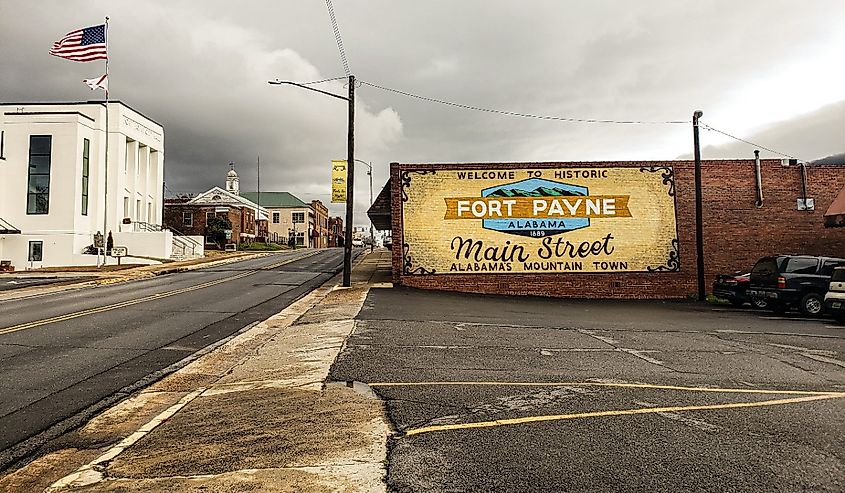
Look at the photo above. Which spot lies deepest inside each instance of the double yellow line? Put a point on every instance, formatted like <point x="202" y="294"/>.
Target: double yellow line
<point x="157" y="296"/>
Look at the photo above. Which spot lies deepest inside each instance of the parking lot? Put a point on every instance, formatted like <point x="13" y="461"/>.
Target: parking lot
<point x="529" y="394"/>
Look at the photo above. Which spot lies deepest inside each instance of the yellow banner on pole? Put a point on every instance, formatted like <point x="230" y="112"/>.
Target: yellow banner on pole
<point x="339" y="182"/>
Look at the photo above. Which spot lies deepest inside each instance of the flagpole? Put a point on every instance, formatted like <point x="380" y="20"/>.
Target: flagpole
<point x="106" y="164"/>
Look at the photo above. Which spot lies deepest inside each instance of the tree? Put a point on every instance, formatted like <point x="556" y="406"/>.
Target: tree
<point x="215" y="230"/>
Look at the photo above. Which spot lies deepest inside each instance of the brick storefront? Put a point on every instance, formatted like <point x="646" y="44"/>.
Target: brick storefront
<point x="736" y="231"/>
<point x="190" y="219"/>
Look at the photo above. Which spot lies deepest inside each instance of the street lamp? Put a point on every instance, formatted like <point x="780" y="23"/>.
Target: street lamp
<point x="350" y="168"/>
<point x="370" y="174"/>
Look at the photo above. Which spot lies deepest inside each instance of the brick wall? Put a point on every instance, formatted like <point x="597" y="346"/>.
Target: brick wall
<point x="242" y="219"/>
<point x="736" y="231"/>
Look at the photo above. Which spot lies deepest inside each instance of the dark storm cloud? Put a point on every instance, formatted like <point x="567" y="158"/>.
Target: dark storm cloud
<point x="200" y="69"/>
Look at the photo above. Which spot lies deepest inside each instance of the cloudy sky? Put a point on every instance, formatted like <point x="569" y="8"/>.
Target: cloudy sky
<point x="768" y="71"/>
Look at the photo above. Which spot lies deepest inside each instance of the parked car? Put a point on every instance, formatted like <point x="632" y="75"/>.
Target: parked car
<point x="357" y="242"/>
<point x="793" y="281"/>
<point x="387" y="242"/>
<point x="834" y="300"/>
<point x="734" y="288"/>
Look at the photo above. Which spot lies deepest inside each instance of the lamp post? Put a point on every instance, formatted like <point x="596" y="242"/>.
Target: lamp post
<point x="350" y="167"/>
<point x="370" y="174"/>
<point x="699" y="221"/>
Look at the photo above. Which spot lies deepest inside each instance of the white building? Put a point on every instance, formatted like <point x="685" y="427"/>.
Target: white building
<point x="55" y="193"/>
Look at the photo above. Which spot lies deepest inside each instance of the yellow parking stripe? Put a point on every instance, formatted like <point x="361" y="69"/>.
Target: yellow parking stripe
<point x="624" y="412"/>
<point x="609" y="384"/>
<point x="122" y="304"/>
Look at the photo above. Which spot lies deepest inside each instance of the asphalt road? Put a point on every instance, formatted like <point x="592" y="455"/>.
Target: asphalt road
<point x="522" y="394"/>
<point x="63" y="352"/>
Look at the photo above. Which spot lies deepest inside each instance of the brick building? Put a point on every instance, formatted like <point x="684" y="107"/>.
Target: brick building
<point x="599" y="229"/>
<point x="186" y="217"/>
<point x="320" y="232"/>
<point x="336" y="232"/>
<point x="191" y="216"/>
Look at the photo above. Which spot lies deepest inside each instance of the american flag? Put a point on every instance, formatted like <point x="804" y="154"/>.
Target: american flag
<point x="82" y="45"/>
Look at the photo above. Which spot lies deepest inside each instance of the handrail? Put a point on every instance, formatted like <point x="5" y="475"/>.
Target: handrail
<point x="178" y="233"/>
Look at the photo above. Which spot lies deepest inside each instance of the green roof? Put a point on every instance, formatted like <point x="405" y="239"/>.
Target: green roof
<point x="275" y="199"/>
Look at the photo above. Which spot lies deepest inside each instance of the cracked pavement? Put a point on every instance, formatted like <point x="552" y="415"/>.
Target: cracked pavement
<point x="493" y="393"/>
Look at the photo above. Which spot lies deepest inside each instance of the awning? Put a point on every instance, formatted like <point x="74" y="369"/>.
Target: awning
<point x="835" y="215"/>
<point x="8" y="229"/>
<point x="380" y="212"/>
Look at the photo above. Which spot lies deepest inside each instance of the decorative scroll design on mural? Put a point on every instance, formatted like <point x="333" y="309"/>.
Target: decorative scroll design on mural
<point x="406" y="180"/>
<point x="673" y="263"/>
<point x="408" y="264"/>
<point x="667" y="173"/>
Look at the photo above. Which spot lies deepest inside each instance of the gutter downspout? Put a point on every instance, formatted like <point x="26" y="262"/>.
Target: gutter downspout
<point x="759" y="179"/>
<point x="804" y="183"/>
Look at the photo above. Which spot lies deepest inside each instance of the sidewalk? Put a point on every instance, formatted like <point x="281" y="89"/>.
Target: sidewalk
<point x="253" y="414"/>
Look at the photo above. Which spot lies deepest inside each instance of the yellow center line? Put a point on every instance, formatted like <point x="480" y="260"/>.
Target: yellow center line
<point x="623" y="412"/>
<point x="122" y="304"/>
<point x="609" y="384"/>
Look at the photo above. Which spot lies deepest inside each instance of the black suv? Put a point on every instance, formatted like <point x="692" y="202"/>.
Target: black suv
<point x="793" y="281"/>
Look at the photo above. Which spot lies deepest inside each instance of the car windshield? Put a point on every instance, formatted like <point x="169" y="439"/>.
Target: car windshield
<point x="838" y="275"/>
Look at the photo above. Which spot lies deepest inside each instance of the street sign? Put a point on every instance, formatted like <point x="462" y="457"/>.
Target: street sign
<point x="119" y="251"/>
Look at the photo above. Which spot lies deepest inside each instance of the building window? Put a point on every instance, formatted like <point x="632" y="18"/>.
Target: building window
<point x="276" y="218"/>
<point x="36" y="251"/>
<point x="208" y="217"/>
<point x="188" y="219"/>
<point x="137" y="210"/>
<point x="86" y="148"/>
<point x="125" y="207"/>
<point x="38" y="191"/>
<point x="298" y="217"/>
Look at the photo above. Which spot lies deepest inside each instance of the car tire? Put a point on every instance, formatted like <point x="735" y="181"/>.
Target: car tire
<point x="759" y="303"/>
<point x="737" y="302"/>
<point x="840" y="318"/>
<point x="812" y="305"/>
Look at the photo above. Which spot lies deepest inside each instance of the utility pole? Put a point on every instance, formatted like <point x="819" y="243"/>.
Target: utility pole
<point x="350" y="185"/>
<point x="372" y="237"/>
<point x="370" y="174"/>
<point x="699" y="222"/>
<point x="350" y="168"/>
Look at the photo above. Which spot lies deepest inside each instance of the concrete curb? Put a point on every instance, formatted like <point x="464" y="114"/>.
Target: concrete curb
<point x="236" y="350"/>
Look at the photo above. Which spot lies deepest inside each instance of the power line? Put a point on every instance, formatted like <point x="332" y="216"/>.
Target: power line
<point x="524" y="115"/>
<point x="338" y="38"/>
<point x="321" y="81"/>
<point x="708" y="127"/>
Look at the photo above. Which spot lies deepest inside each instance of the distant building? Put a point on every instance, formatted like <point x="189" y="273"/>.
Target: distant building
<point x="320" y="231"/>
<point x="58" y="191"/>
<point x="288" y="217"/>
<point x="244" y="220"/>
<point x="336" y="232"/>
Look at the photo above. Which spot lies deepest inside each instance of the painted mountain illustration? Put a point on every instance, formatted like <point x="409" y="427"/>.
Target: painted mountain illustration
<point x="537" y="192"/>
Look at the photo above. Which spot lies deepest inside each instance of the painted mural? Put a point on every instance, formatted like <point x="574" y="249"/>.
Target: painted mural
<point x="547" y="220"/>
